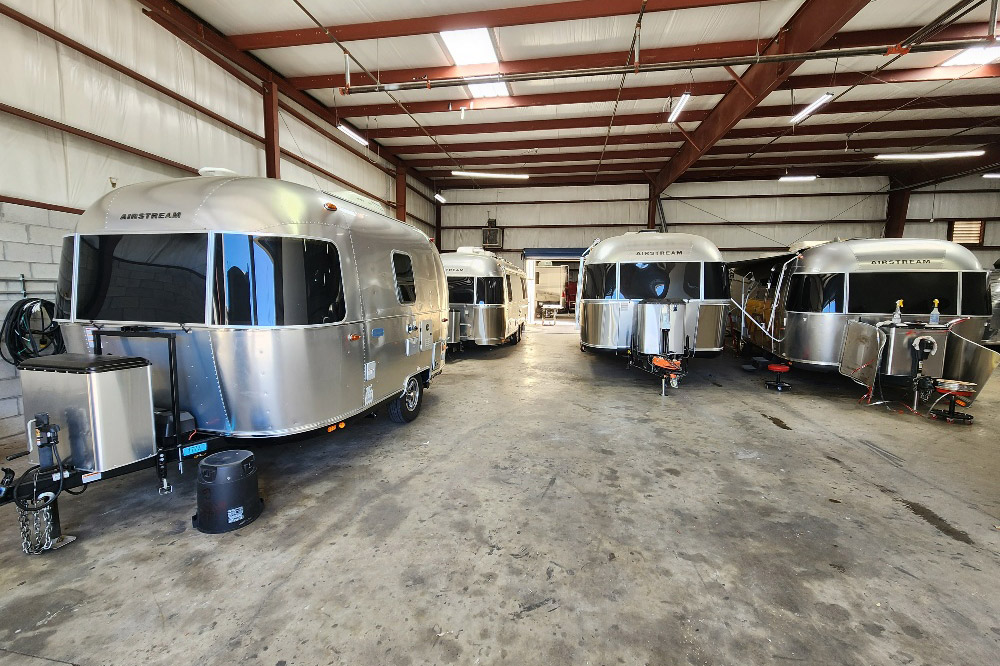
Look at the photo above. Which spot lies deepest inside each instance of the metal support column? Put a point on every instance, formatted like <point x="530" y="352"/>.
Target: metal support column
<point x="272" y="151"/>
<point x="401" y="193"/>
<point x="895" y="219"/>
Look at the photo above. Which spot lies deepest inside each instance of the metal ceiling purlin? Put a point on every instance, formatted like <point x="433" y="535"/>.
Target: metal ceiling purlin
<point x="623" y="120"/>
<point x="838" y="129"/>
<point x="750" y="149"/>
<point x="199" y="31"/>
<point x="493" y="18"/>
<point x="721" y="87"/>
<point x="748" y="47"/>
<point x="813" y="25"/>
<point x="924" y="174"/>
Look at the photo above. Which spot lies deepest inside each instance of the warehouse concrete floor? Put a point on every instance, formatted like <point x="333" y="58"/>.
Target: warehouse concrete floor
<point x="549" y="506"/>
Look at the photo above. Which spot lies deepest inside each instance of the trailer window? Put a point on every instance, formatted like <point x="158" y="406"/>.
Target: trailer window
<point x="661" y="280"/>
<point x="461" y="290"/>
<point x="524" y="288"/>
<point x="975" y="294"/>
<point x="510" y="293"/>
<point x="816" y="293"/>
<point x="64" y="283"/>
<point x="599" y="281"/>
<point x="142" y="278"/>
<point x="277" y="281"/>
<point x="877" y="293"/>
<point x="406" y="287"/>
<point x="716" y="280"/>
<point x="489" y="290"/>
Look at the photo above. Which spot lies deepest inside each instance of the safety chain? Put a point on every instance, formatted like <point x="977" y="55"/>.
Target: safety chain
<point x="37" y="537"/>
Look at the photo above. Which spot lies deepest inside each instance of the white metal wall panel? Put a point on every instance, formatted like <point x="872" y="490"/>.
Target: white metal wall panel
<point x="54" y="81"/>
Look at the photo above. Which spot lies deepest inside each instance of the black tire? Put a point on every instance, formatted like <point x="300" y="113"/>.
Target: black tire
<point x="406" y="407"/>
<point x="514" y="339"/>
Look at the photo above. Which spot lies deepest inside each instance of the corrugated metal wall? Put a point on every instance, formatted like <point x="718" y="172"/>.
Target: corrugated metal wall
<point x="762" y="216"/>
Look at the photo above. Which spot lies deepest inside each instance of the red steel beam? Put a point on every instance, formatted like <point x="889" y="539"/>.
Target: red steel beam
<point x="925" y="174"/>
<point x="272" y="154"/>
<point x="401" y="194"/>
<point x="744" y="133"/>
<point x="535" y="65"/>
<point x="600" y="179"/>
<point x="96" y="138"/>
<point x="815" y="22"/>
<point x="652" y="153"/>
<point x="194" y="29"/>
<point x="496" y="18"/>
<point x="896" y="208"/>
<point x="853" y="144"/>
<point x="919" y="75"/>
<point x="543" y="99"/>
<point x="729" y="49"/>
<point x="727" y="149"/>
<point x="622" y="120"/>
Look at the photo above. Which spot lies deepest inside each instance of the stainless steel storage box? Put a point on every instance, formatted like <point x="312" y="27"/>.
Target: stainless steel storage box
<point x="898" y="355"/>
<point x="103" y="406"/>
<point x="652" y="318"/>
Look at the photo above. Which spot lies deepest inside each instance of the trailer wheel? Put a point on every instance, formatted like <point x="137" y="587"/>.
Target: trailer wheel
<point x="514" y="339"/>
<point x="406" y="407"/>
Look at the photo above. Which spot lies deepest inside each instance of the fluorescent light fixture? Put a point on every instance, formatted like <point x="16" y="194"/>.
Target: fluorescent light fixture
<point x="930" y="156"/>
<point x="486" y="174"/>
<point x="351" y="133"/>
<point x="991" y="175"/>
<point x="797" y="179"/>
<point x="979" y="55"/>
<point x="676" y="112"/>
<point x="440" y="198"/>
<point x="808" y="111"/>
<point x="469" y="47"/>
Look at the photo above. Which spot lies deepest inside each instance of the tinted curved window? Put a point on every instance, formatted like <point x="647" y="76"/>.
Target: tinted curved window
<point x="276" y="281"/>
<point x="716" y="280"/>
<point x="816" y="293"/>
<point x="599" y="281"/>
<point x="510" y="292"/>
<point x="64" y="283"/>
<point x="524" y="288"/>
<point x="461" y="290"/>
<point x="142" y="278"/>
<point x="489" y="290"/>
<point x="878" y="292"/>
<point x="406" y="286"/>
<point x="661" y="280"/>
<point x="975" y="294"/>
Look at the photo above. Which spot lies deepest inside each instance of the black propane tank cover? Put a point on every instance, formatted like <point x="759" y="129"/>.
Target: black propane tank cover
<point x="228" y="497"/>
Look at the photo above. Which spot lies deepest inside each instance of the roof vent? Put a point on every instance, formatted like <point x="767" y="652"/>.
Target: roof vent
<point x="216" y="171"/>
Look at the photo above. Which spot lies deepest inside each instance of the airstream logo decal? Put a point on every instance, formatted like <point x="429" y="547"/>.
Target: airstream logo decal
<point x="900" y="262"/>
<point x="150" y="216"/>
<point x="658" y="253"/>
<point x="378" y="332"/>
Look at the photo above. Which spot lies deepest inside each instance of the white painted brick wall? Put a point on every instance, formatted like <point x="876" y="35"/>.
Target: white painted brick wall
<point x="30" y="243"/>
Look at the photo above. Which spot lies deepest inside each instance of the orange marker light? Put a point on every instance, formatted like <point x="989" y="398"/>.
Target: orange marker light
<point x="332" y="428"/>
<point x="330" y="206"/>
<point x="342" y="424"/>
<point x="353" y="336"/>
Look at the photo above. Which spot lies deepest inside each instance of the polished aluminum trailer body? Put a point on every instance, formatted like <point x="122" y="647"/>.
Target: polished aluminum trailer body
<point x="801" y="303"/>
<point x="615" y="293"/>
<point x="292" y="309"/>
<point x="488" y="297"/>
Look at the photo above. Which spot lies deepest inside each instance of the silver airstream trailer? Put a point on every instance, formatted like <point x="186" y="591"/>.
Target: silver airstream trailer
<point x="488" y="297"/>
<point x="797" y="305"/>
<point x="660" y="297"/>
<point x="291" y="309"/>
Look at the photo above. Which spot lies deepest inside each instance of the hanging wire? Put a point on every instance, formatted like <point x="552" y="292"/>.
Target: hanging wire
<point x="373" y="77"/>
<point x="621" y="85"/>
